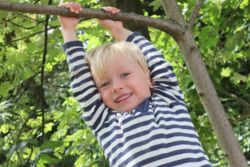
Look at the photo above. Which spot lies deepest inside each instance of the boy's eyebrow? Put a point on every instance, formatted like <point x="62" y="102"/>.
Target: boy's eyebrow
<point x="98" y="85"/>
<point x="101" y="81"/>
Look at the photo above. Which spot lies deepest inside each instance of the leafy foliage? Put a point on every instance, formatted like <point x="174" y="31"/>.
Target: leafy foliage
<point x="41" y="125"/>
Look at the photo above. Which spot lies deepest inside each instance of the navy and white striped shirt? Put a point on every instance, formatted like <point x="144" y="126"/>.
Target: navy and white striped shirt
<point x="158" y="133"/>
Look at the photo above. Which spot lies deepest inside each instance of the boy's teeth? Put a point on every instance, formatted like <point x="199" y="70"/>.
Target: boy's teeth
<point x="122" y="98"/>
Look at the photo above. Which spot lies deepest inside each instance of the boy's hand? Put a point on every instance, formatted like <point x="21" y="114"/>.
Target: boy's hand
<point x="111" y="25"/>
<point x="70" y="22"/>
<point x="115" y="28"/>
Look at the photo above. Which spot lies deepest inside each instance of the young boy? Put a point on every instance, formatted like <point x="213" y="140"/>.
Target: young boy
<point x="131" y="99"/>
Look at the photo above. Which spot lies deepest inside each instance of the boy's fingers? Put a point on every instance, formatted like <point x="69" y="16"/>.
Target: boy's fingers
<point x="112" y="10"/>
<point x="72" y="6"/>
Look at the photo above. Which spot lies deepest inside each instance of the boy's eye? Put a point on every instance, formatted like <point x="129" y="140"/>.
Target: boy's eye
<point x="124" y="75"/>
<point x="104" y="85"/>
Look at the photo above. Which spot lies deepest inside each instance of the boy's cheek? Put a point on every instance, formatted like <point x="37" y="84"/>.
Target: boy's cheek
<point x="106" y="97"/>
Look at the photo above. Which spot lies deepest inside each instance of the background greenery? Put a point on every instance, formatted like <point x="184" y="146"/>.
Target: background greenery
<point x="40" y="122"/>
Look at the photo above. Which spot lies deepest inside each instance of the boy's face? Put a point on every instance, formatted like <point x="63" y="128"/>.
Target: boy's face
<point x="124" y="84"/>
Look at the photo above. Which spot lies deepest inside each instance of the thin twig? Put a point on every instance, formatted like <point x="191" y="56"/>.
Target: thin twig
<point x="32" y="35"/>
<point x="21" y="26"/>
<point x="18" y="154"/>
<point x="246" y="113"/>
<point x="42" y="71"/>
<point x="244" y="116"/>
<point x="25" y="16"/>
<point x="195" y="12"/>
<point x="236" y="98"/>
<point x="39" y="32"/>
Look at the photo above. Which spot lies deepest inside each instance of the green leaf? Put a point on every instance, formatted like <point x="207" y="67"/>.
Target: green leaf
<point x="4" y="128"/>
<point x="226" y="72"/>
<point x="51" y="144"/>
<point x="244" y="3"/>
<point x="40" y="164"/>
<point x="80" y="161"/>
<point x="239" y="78"/>
<point x="5" y="87"/>
<point x="46" y="159"/>
<point x="156" y="4"/>
<point x="248" y="81"/>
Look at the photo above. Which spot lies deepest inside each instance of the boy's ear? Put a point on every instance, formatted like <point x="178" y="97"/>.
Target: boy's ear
<point x="151" y="83"/>
<point x="150" y="79"/>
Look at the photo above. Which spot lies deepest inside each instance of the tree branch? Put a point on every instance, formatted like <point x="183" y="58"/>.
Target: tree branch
<point x="244" y="116"/>
<point x="246" y="113"/>
<point x="18" y="154"/>
<point x="235" y="97"/>
<point x="169" y="26"/>
<point x="18" y="25"/>
<point x="172" y="10"/>
<point x="45" y="50"/>
<point x="195" y="12"/>
<point x="206" y="90"/>
<point x="31" y="35"/>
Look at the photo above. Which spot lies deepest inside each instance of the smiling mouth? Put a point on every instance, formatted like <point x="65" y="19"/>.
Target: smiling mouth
<point x="123" y="97"/>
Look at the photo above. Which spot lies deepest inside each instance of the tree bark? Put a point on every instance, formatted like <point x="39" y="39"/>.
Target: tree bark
<point x="167" y="26"/>
<point x="205" y="88"/>
<point x="181" y="31"/>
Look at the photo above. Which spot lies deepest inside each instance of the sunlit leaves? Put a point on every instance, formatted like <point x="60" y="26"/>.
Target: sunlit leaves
<point x="5" y="87"/>
<point x="156" y="4"/>
<point x="244" y="4"/>
<point x="46" y="159"/>
<point x="225" y="72"/>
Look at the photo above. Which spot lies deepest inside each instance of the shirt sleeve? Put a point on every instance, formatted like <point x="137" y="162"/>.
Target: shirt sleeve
<point x="83" y="86"/>
<point x="161" y="71"/>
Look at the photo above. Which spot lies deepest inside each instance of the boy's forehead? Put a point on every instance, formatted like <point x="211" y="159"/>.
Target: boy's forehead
<point x="120" y="61"/>
<point x="115" y="66"/>
<point x="120" y="57"/>
<point x="115" y="63"/>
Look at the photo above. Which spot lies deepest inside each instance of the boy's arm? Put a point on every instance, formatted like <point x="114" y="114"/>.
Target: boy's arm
<point x="115" y="28"/>
<point x="161" y="70"/>
<point x="68" y="24"/>
<point x="68" y="34"/>
<point x="120" y="34"/>
<point x="83" y="86"/>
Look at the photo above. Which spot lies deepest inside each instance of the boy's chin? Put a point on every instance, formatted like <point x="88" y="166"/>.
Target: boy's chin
<point x="127" y="109"/>
<point x="123" y="111"/>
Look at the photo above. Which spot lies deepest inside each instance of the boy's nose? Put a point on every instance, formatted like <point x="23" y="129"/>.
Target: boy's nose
<point x="117" y="85"/>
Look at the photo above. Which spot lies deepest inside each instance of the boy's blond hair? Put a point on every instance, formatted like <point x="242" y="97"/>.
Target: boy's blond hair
<point x="99" y="57"/>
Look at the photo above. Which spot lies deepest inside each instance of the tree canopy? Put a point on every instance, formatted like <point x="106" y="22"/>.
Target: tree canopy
<point x="40" y="122"/>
